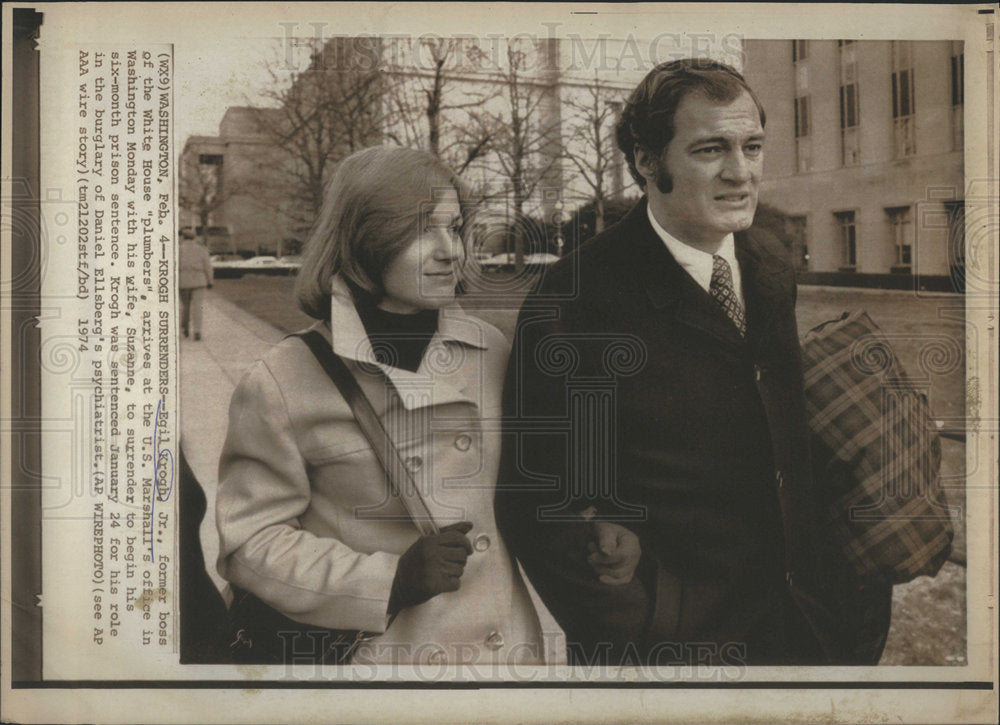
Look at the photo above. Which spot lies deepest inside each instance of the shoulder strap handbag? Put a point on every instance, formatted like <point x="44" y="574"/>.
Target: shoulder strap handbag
<point x="400" y="481"/>
<point x="261" y="634"/>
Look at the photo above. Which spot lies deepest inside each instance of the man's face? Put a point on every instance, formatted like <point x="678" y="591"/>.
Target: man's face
<point x="714" y="162"/>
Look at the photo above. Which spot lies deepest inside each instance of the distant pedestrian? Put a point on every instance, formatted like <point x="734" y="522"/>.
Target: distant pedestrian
<point x="195" y="276"/>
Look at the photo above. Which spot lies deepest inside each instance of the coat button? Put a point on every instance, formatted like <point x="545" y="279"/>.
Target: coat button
<point x="463" y="442"/>
<point x="414" y="463"/>
<point x="757" y="372"/>
<point x="481" y="542"/>
<point x="437" y="656"/>
<point x="788" y="578"/>
<point x="779" y="478"/>
<point x="494" y="640"/>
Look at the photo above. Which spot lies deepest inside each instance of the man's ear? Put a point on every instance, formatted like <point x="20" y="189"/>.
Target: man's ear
<point x="645" y="164"/>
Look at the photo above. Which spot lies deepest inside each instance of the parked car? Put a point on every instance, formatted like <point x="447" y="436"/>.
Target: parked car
<point x="540" y="258"/>
<point x="507" y="260"/>
<point x="261" y="264"/>
<point x="291" y="262"/>
<point x="226" y="261"/>
<point x="503" y="259"/>
<point x="263" y="260"/>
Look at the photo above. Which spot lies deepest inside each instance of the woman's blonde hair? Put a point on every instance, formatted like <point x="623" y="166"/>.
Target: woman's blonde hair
<point x="373" y="208"/>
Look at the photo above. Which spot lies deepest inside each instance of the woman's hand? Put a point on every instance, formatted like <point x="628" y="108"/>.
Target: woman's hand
<point x="432" y="565"/>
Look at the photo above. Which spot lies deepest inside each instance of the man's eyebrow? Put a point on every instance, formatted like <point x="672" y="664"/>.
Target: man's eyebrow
<point x="723" y="140"/>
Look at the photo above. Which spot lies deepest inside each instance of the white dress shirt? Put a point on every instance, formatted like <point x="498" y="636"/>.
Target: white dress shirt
<point x="699" y="264"/>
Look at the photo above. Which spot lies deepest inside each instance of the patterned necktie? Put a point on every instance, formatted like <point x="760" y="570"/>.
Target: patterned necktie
<point x="724" y="293"/>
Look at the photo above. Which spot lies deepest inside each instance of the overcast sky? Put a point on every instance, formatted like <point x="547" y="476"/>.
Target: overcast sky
<point x="209" y="80"/>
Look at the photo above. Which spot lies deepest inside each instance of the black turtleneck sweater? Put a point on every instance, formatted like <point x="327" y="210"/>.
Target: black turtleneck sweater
<point x="399" y="340"/>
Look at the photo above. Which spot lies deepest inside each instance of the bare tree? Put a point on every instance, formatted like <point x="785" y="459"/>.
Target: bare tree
<point x="427" y="108"/>
<point x="201" y="188"/>
<point x="526" y="139"/>
<point x="592" y="148"/>
<point x="323" y="114"/>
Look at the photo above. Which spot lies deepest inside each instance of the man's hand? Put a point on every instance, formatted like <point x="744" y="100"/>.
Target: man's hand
<point x="614" y="553"/>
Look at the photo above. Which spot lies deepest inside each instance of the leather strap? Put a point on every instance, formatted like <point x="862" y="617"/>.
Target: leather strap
<point x="400" y="481"/>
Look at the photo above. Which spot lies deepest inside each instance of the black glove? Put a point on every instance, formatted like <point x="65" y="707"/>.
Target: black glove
<point x="434" y="564"/>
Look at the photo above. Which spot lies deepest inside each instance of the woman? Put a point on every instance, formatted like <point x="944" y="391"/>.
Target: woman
<point x="305" y="518"/>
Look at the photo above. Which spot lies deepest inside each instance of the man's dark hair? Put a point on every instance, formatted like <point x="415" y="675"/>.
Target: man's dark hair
<point x="647" y="120"/>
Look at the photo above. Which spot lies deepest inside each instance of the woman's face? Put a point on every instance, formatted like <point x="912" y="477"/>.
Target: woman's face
<point x="424" y="275"/>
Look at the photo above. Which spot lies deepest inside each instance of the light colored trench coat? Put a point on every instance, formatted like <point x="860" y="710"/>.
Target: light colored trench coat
<point x="195" y="268"/>
<point x="304" y="516"/>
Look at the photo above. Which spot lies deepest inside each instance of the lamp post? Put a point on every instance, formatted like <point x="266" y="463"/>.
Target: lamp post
<point x="558" y="218"/>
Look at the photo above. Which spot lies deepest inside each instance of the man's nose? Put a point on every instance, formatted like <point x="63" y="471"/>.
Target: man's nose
<point x="738" y="168"/>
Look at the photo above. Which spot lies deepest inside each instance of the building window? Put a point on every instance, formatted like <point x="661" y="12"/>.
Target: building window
<point x="957" y="94"/>
<point x="850" y="110"/>
<point x="802" y="145"/>
<point x="956" y="243"/>
<point x="848" y="238"/>
<point x="903" y="101"/>
<point x="957" y="74"/>
<point x="901" y="234"/>
<point x="802" y="117"/>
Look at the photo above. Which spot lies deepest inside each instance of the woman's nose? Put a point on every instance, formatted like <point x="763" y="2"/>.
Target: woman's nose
<point x="449" y="245"/>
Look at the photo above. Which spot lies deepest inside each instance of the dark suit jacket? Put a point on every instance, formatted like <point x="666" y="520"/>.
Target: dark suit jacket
<point x="630" y="390"/>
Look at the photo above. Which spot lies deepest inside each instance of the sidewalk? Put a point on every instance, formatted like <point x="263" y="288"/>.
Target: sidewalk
<point x="209" y="371"/>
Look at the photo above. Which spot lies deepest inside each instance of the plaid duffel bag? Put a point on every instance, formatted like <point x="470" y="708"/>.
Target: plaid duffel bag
<point x="876" y="453"/>
<point x="876" y="465"/>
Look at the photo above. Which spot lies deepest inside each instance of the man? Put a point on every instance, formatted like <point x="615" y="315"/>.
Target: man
<point x="655" y="386"/>
<point x="194" y="277"/>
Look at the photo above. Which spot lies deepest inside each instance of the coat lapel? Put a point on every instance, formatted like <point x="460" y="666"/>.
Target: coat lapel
<point x="762" y="286"/>
<point x="441" y="377"/>
<point x="670" y="289"/>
